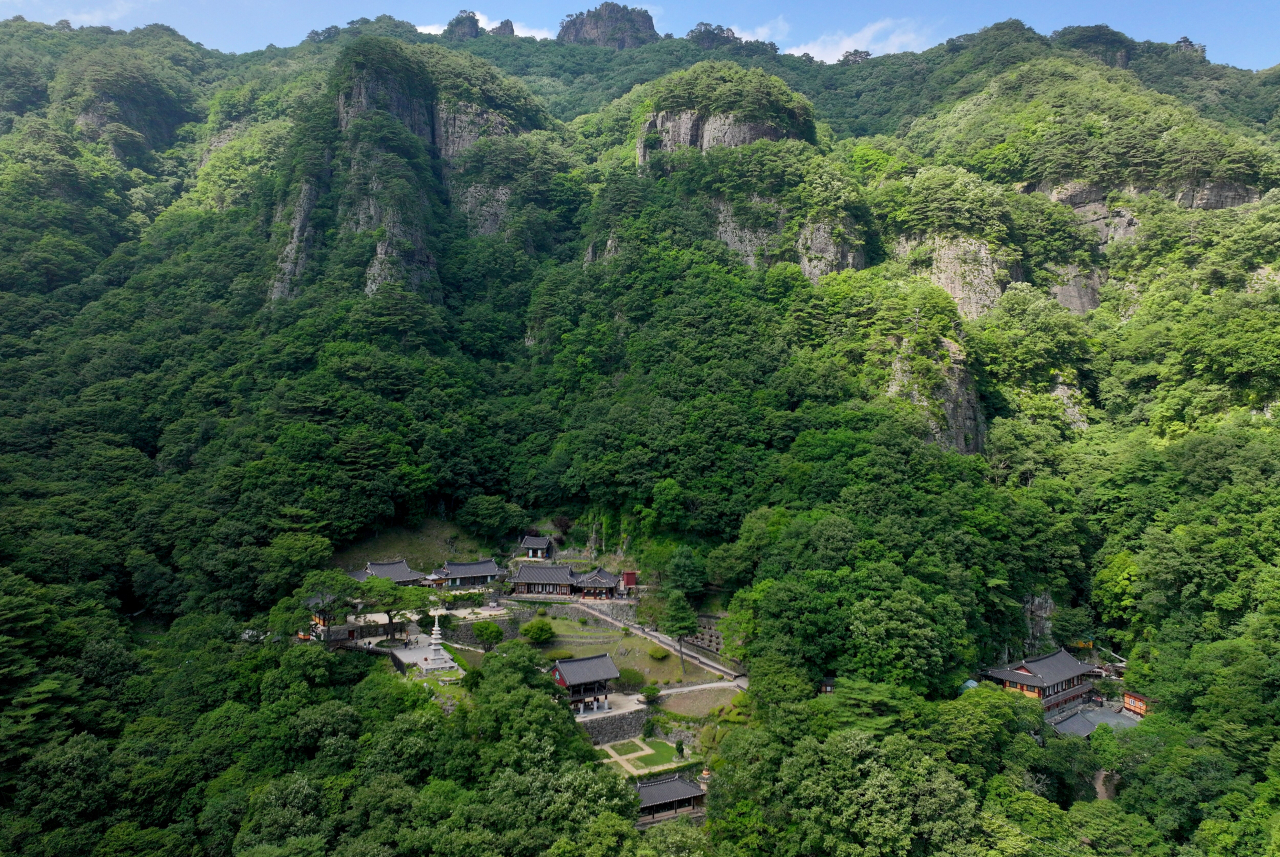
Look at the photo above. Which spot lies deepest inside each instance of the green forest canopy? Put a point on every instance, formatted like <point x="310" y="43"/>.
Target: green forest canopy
<point x="181" y="454"/>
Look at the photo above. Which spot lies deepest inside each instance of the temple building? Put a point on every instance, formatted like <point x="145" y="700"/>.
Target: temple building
<point x="541" y="579"/>
<point x="1056" y="680"/>
<point x="587" y="680"/>
<point x="464" y="575"/>
<point x="397" y="572"/>
<point x="537" y="547"/>
<point x="668" y="797"/>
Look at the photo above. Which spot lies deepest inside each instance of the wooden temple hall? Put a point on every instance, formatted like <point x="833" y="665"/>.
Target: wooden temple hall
<point x="587" y="680"/>
<point x="1056" y="680"/>
<point x="669" y="797"/>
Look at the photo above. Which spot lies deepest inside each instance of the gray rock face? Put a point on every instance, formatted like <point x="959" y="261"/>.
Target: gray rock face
<point x="1077" y="289"/>
<point x="610" y="25"/>
<point x="460" y="126"/>
<point x="1089" y="201"/>
<point x="966" y="268"/>
<point x="1072" y="405"/>
<point x="688" y="128"/>
<point x="1038" y="611"/>
<point x="1262" y="279"/>
<point x="1215" y="195"/>
<point x="293" y="258"/>
<point x="484" y="207"/>
<point x="953" y="413"/>
<point x="504" y="28"/>
<point x="823" y="247"/>
<point x="400" y="255"/>
<point x="373" y="91"/>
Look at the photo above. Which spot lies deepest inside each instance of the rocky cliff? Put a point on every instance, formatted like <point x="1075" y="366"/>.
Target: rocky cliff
<point x="966" y="268"/>
<point x="670" y="130"/>
<point x="822" y="246"/>
<point x="610" y="25"/>
<point x="1077" y="288"/>
<point x="952" y="410"/>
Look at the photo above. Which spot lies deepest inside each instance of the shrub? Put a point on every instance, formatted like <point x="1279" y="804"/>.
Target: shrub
<point x="582" y="620"/>
<point x="679" y="749"/>
<point x="648" y="729"/>
<point x="542" y="611"/>
<point x="667" y="681"/>
<point x="658" y="653"/>
<point x="651" y="693"/>
<point x="539" y="631"/>
<point x="557" y="654"/>
<point x="629" y="680"/>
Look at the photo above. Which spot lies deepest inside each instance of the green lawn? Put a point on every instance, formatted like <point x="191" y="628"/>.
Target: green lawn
<point x="663" y="754"/>
<point x="624" y="748"/>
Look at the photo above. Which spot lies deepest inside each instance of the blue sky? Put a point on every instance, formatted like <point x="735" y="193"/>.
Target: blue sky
<point x="1240" y="33"/>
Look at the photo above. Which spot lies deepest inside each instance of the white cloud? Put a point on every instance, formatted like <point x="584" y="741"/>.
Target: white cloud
<point x="769" y="31"/>
<point x="886" y="36"/>
<point x="487" y="22"/>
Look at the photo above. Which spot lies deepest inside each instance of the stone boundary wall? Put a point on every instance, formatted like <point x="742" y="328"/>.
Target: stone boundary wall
<point x="461" y="632"/>
<point x="671" y="734"/>
<point x="616" y="727"/>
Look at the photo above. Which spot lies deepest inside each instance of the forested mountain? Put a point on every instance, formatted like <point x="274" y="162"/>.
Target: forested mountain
<point x="912" y="364"/>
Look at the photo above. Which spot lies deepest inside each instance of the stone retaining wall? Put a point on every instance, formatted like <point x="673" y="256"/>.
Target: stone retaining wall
<point x="461" y="632"/>
<point x="616" y="727"/>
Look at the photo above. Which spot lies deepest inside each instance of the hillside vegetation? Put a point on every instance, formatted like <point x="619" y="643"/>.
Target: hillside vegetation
<point x="916" y="365"/>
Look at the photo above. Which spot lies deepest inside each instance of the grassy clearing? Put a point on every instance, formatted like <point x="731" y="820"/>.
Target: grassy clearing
<point x="424" y="549"/>
<point x="699" y="703"/>
<point x="626" y="748"/>
<point x="633" y="652"/>
<point x="663" y="754"/>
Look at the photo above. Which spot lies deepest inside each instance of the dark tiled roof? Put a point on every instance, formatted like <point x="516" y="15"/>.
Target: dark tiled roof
<point x="666" y="790"/>
<point x="535" y="542"/>
<point x="543" y="574"/>
<point x="1076" y="724"/>
<point x="599" y="577"/>
<point x="586" y="670"/>
<point x="1045" y="671"/>
<point x="479" y="568"/>
<point x="397" y="572"/>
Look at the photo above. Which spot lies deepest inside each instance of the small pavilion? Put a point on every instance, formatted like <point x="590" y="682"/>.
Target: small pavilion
<point x="587" y="680"/>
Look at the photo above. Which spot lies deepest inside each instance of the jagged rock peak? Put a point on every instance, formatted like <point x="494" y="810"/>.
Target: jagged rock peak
<point x="464" y="26"/>
<point x="609" y="25"/>
<point x="504" y="28"/>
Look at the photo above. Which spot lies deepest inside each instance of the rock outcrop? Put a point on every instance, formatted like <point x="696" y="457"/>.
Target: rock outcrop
<point x="460" y="126"/>
<point x="293" y="258"/>
<point x="1077" y="289"/>
<point x="1089" y="202"/>
<point x="370" y="89"/>
<point x="953" y="412"/>
<point x="610" y="25"/>
<point x="1072" y="405"/>
<point x="826" y="248"/>
<point x="965" y="267"/>
<point x="1215" y="195"/>
<point x="1262" y="279"/>
<point x="823" y="247"/>
<point x="687" y="128"/>
<point x="484" y="207"/>
<point x="504" y="28"/>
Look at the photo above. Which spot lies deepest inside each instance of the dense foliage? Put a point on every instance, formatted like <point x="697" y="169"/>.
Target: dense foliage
<point x="256" y="308"/>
